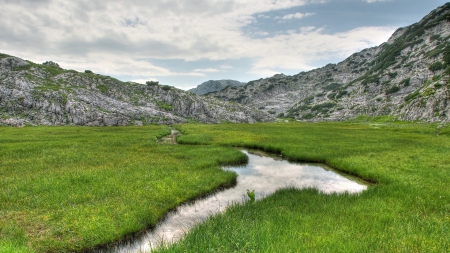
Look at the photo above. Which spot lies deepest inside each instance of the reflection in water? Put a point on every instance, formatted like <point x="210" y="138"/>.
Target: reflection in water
<point x="262" y="174"/>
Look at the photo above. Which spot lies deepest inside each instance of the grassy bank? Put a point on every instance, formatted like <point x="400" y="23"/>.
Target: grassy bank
<point x="408" y="210"/>
<point x="70" y="188"/>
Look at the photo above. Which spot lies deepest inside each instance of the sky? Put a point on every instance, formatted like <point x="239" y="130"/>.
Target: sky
<point x="184" y="43"/>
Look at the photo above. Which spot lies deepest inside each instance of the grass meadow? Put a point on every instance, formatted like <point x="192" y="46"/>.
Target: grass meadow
<point x="71" y="188"/>
<point x="407" y="210"/>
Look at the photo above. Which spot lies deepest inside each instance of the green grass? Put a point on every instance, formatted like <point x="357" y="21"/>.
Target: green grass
<point x="71" y="188"/>
<point x="333" y="86"/>
<point x="48" y="86"/>
<point x="408" y="210"/>
<point x="393" y="89"/>
<point x="164" y="106"/>
<point x="102" y="88"/>
<point x="4" y="55"/>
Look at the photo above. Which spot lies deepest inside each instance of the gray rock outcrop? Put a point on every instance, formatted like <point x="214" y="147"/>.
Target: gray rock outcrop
<point x="215" y="85"/>
<point x="46" y="94"/>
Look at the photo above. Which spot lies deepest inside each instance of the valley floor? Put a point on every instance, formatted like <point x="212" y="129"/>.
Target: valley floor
<point x="71" y="188"/>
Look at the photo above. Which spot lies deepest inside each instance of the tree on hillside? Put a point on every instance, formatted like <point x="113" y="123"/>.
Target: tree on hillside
<point x="150" y="83"/>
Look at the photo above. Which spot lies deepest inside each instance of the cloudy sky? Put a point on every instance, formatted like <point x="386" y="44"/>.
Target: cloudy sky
<point x="186" y="42"/>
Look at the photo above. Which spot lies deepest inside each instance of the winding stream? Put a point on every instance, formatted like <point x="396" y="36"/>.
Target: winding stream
<point x="263" y="174"/>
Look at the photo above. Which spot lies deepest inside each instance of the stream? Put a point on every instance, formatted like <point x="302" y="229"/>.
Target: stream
<point x="263" y="174"/>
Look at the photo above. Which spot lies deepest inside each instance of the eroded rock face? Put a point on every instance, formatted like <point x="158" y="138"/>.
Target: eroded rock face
<point x="400" y="78"/>
<point x="215" y="85"/>
<point x="48" y="95"/>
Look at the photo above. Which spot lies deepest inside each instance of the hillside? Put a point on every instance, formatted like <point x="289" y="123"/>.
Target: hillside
<point x="214" y="85"/>
<point x="46" y="94"/>
<point x="407" y="77"/>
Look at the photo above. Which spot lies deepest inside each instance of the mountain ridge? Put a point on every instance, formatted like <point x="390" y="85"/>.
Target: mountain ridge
<point x="215" y="85"/>
<point x="406" y="77"/>
<point x="45" y="94"/>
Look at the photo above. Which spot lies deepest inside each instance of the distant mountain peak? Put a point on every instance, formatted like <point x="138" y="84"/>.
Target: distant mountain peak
<point x="215" y="85"/>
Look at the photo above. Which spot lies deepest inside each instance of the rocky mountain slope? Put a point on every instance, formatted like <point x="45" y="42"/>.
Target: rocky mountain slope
<point x="45" y="94"/>
<point x="215" y="85"/>
<point x="407" y="77"/>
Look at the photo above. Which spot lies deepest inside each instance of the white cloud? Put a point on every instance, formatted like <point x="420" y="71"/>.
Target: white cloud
<point x="297" y="15"/>
<point x="114" y="36"/>
<point x="263" y="72"/>
<point x="226" y="67"/>
<point x="143" y="81"/>
<point x="119" y="38"/>
<point x="114" y="65"/>
<point x="259" y="33"/>
<point x="297" y="50"/>
<point x="208" y="70"/>
<point x="374" y="1"/>
<point x="307" y="29"/>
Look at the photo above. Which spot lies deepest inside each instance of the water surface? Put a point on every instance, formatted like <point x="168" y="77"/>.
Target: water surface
<point x="264" y="175"/>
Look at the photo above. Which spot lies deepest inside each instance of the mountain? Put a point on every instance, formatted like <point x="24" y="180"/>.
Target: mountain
<point x="214" y="85"/>
<point x="45" y="94"/>
<point x="407" y="78"/>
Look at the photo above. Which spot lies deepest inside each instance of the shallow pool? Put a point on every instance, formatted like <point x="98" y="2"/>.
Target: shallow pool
<point x="263" y="174"/>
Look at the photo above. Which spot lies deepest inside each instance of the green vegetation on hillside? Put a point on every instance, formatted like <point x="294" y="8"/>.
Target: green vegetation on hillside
<point x="102" y="88"/>
<point x="393" y="89"/>
<point x="164" y="106"/>
<point x="436" y="66"/>
<point x="409" y="38"/>
<point x="4" y="55"/>
<point x="332" y="86"/>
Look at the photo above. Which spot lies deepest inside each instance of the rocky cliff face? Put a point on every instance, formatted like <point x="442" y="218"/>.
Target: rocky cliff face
<point x="215" y="85"/>
<point x="406" y="77"/>
<point x="49" y="95"/>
